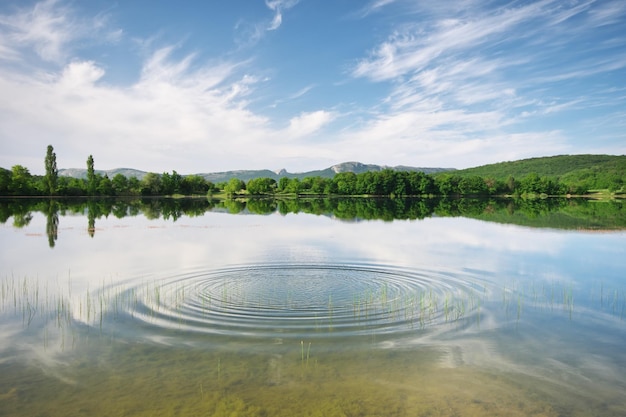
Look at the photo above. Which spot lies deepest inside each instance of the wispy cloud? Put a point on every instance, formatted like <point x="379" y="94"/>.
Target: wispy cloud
<point x="414" y="48"/>
<point x="608" y="13"/>
<point x="249" y="34"/>
<point x="475" y="74"/>
<point x="373" y="7"/>
<point x="298" y="94"/>
<point x="50" y="29"/>
<point x="278" y="6"/>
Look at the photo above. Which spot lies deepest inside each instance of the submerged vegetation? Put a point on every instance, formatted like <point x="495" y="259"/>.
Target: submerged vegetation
<point x="549" y="176"/>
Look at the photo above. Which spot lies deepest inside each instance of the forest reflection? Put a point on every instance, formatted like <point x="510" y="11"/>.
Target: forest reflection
<point x="558" y="213"/>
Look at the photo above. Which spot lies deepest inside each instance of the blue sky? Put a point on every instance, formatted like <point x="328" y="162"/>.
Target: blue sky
<point x="204" y="86"/>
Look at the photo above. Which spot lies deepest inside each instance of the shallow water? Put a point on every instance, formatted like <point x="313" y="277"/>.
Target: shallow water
<point x="299" y="314"/>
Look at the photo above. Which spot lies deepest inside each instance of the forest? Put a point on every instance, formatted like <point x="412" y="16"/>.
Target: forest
<point x="548" y="176"/>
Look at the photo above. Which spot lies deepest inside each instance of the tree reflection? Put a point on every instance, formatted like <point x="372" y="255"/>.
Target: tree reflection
<point x="22" y="219"/>
<point x="52" y="222"/>
<point x="550" y="212"/>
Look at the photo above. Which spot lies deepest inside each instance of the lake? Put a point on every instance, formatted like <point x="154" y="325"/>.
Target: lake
<point x="314" y="308"/>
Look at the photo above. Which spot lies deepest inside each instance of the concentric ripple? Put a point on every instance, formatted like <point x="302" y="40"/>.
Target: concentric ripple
<point x="281" y="301"/>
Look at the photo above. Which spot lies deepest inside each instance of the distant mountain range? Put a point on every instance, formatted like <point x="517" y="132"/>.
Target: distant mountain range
<point x="593" y="172"/>
<point x="245" y="175"/>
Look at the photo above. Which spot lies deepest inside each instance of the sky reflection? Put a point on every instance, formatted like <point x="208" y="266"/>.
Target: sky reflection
<point x="530" y="293"/>
<point x="133" y="247"/>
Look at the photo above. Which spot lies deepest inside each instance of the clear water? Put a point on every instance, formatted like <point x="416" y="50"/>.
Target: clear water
<point x="300" y="314"/>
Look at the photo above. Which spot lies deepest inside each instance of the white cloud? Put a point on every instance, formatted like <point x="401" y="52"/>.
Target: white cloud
<point x="190" y="114"/>
<point x="308" y="123"/>
<point x="80" y="75"/>
<point x="402" y="138"/>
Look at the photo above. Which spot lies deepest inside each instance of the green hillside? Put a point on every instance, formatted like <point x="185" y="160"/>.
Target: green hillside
<point x="591" y="171"/>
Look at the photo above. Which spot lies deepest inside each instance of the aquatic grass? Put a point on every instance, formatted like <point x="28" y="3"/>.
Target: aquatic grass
<point x="42" y="303"/>
<point x="304" y="359"/>
<point x="308" y="353"/>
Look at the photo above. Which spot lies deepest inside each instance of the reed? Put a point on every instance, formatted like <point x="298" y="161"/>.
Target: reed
<point x="304" y="359"/>
<point x="308" y="353"/>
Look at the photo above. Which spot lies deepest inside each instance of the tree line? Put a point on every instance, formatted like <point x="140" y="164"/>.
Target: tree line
<point x="19" y="182"/>
<point x="401" y="184"/>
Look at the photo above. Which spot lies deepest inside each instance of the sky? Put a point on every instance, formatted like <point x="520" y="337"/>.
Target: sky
<point x="210" y="86"/>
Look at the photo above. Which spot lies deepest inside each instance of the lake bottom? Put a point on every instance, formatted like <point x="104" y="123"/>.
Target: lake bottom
<point x="101" y="376"/>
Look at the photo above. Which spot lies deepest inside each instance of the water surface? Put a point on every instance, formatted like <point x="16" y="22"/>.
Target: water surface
<point x="286" y="313"/>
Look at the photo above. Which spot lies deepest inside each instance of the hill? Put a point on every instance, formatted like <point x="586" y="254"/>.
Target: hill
<point x="356" y="167"/>
<point x="245" y="175"/>
<point x="548" y="166"/>
<point x="589" y="171"/>
<point x="82" y="172"/>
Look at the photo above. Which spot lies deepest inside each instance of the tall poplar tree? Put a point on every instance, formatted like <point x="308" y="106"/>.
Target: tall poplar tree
<point x="52" y="173"/>
<point x="91" y="176"/>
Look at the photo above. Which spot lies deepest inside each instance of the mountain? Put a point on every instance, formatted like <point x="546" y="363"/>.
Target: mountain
<point x="245" y="175"/>
<point x="330" y="172"/>
<point x="82" y="172"/>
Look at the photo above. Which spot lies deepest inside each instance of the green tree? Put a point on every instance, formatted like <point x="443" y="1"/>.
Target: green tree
<point x="511" y="184"/>
<point x="21" y="180"/>
<point x="345" y="182"/>
<point x="194" y="184"/>
<point x="72" y="186"/>
<point x="52" y="173"/>
<point x="319" y="185"/>
<point x="134" y="185"/>
<point x="151" y="184"/>
<point x="234" y="185"/>
<point x="283" y="183"/>
<point x="5" y="181"/>
<point x="473" y="185"/>
<point x="426" y="184"/>
<point x="92" y="183"/>
<point x="294" y="185"/>
<point x="105" y="186"/>
<point x="261" y="186"/>
<point x="171" y="183"/>
<point x="120" y="184"/>
<point x="448" y="184"/>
